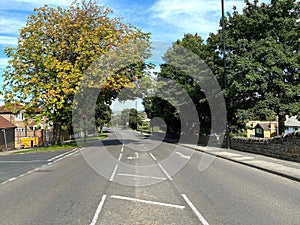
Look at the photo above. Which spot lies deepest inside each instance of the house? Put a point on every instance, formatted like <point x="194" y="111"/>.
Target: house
<point x="291" y="124"/>
<point x="7" y="134"/>
<point x="262" y="129"/>
<point x="25" y="128"/>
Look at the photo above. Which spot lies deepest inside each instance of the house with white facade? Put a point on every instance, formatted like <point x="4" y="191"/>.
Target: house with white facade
<point x="291" y="125"/>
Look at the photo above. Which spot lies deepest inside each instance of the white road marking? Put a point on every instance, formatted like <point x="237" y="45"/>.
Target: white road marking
<point x="136" y="156"/>
<point x="35" y="169"/>
<point x="243" y="158"/>
<point x="114" y="173"/>
<point x="11" y="179"/>
<point x="147" y="202"/>
<point x="58" y="156"/>
<point x="122" y="149"/>
<point x="198" y="214"/>
<point x="120" y="156"/>
<point x="141" y="176"/>
<point x="99" y="208"/>
<point x="169" y="177"/>
<point x="152" y="156"/>
<point x="65" y="156"/>
<point x="183" y="156"/>
<point x="228" y="154"/>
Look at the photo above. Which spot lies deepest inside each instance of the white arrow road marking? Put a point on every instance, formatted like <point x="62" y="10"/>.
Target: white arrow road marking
<point x="183" y="156"/>
<point x="136" y="156"/>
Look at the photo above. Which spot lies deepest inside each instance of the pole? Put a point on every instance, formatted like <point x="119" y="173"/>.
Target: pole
<point x="4" y="134"/>
<point x="225" y="71"/>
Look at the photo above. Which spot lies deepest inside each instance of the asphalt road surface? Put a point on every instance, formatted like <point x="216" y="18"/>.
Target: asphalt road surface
<point x="129" y="179"/>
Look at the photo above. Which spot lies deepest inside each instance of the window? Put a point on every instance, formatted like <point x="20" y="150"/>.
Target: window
<point x="19" y="116"/>
<point x="259" y="130"/>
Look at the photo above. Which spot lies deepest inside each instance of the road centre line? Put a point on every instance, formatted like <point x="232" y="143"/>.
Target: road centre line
<point x="169" y="177"/>
<point x="120" y="156"/>
<point x="141" y="176"/>
<point x="198" y="214"/>
<point x="99" y="208"/>
<point x="147" y="202"/>
<point x="114" y="173"/>
<point x="152" y="156"/>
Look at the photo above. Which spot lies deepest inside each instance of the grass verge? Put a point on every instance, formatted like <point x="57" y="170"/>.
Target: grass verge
<point x="66" y="146"/>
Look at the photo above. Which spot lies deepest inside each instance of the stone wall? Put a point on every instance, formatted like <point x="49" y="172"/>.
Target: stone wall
<point x="283" y="147"/>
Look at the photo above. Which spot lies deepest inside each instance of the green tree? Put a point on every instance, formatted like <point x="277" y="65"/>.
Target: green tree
<point x="262" y="52"/>
<point x="157" y="107"/>
<point x="102" y="113"/>
<point x="54" y="49"/>
<point x="134" y="119"/>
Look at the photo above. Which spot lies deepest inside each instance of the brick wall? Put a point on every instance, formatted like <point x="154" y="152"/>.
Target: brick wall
<point x="282" y="147"/>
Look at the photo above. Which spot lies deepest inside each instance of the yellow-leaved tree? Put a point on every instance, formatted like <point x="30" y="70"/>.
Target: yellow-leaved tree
<point x="54" y="50"/>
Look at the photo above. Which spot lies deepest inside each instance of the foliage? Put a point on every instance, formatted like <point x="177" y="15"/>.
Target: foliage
<point x="262" y="51"/>
<point x="134" y="119"/>
<point x="131" y="118"/>
<point x="102" y="112"/>
<point x="158" y="107"/>
<point x="54" y="50"/>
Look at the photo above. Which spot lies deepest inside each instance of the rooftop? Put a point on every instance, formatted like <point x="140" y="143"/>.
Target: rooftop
<point x="5" y="124"/>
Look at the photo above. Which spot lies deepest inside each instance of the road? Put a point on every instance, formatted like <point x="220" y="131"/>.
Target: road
<point x="133" y="180"/>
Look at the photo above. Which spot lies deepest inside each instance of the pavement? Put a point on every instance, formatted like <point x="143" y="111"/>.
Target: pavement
<point x="276" y="166"/>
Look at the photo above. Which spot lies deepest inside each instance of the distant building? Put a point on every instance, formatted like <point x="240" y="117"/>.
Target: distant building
<point x="7" y="134"/>
<point x="24" y="128"/>
<point x="291" y="124"/>
<point x="262" y="129"/>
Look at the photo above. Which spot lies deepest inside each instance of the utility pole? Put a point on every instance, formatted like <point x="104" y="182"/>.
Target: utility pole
<point x="225" y="71"/>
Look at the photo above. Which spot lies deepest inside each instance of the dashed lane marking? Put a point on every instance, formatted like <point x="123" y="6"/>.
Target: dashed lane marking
<point x="98" y="211"/>
<point x="198" y="214"/>
<point x="114" y="173"/>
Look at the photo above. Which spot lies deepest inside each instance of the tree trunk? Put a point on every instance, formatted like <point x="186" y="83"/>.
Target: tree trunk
<point x="280" y="128"/>
<point x="56" y="133"/>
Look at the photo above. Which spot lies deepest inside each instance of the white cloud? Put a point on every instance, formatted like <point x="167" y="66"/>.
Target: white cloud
<point x="200" y="16"/>
<point x="11" y="25"/>
<point x="8" y="41"/>
<point x="48" y="2"/>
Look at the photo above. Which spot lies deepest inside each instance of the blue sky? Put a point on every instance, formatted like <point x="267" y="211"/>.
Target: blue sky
<point x="166" y="20"/>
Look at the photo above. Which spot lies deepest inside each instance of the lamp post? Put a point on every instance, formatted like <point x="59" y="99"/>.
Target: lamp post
<point x="225" y="71"/>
